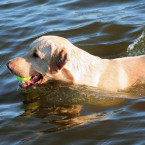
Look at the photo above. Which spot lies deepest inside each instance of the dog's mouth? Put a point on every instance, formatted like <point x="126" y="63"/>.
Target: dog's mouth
<point x="35" y="79"/>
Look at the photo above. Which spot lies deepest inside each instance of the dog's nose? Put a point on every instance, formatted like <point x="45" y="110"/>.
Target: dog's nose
<point x="9" y="65"/>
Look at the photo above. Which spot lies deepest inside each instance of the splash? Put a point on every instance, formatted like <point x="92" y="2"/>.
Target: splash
<point x="137" y="47"/>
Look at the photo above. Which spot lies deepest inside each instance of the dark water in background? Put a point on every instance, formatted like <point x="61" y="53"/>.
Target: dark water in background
<point x="71" y="115"/>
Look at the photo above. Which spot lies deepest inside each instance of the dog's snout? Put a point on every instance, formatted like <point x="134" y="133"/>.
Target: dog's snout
<point x="9" y="65"/>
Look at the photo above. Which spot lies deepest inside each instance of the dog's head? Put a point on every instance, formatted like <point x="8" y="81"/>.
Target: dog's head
<point x="46" y="57"/>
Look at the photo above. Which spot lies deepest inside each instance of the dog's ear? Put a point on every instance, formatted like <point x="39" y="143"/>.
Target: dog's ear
<point x="58" y="60"/>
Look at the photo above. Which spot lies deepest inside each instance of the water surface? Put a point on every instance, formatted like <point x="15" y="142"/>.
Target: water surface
<point x="58" y="113"/>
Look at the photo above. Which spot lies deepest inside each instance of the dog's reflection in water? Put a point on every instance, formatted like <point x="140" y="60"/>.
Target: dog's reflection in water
<point x="62" y="105"/>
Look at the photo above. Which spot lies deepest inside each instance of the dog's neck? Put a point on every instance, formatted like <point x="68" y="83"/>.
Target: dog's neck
<point x="79" y="72"/>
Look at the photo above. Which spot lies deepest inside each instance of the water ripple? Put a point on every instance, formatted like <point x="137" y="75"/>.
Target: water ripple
<point x="103" y="28"/>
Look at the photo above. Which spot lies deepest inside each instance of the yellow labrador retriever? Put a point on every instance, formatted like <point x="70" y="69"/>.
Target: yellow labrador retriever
<point x="54" y="57"/>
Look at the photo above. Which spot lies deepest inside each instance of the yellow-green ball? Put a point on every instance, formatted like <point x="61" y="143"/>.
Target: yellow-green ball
<point x="23" y="79"/>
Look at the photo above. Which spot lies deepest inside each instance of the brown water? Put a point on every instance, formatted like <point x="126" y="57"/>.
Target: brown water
<point x="57" y="113"/>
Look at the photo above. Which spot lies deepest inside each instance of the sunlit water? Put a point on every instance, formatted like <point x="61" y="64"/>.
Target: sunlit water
<point x="58" y="113"/>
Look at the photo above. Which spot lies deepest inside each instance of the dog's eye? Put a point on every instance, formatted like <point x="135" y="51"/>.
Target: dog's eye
<point x="35" y="55"/>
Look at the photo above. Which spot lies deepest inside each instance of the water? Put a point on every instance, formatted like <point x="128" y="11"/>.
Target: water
<point x="57" y="113"/>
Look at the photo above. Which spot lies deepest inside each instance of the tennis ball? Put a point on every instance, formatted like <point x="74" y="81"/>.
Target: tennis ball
<point x="23" y="79"/>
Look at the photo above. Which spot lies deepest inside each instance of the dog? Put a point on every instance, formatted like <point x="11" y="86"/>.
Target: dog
<point x="56" y="58"/>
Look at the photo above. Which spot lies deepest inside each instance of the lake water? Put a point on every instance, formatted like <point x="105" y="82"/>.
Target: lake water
<point x="57" y="113"/>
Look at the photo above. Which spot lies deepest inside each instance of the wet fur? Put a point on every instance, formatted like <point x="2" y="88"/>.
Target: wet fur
<point x="59" y="59"/>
